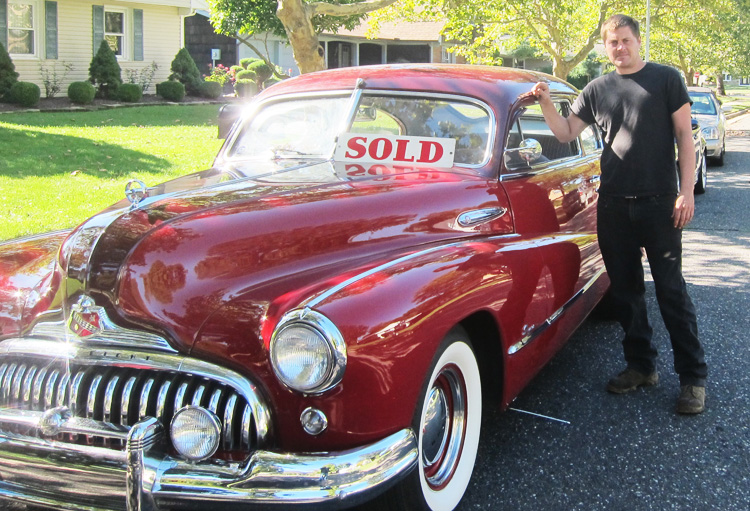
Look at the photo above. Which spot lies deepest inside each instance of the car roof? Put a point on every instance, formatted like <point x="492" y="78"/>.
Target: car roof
<point x="701" y="89"/>
<point x="488" y="83"/>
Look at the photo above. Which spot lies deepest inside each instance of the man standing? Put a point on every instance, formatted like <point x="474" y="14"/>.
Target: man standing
<point x="642" y="108"/>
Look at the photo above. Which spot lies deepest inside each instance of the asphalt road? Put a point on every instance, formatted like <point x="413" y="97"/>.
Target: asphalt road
<point x="632" y="452"/>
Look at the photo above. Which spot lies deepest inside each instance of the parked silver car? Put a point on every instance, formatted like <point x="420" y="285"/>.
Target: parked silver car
<point x="707" y="109"/>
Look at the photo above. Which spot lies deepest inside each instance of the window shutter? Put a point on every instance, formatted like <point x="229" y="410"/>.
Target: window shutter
<point x="137" y="34"/>
<point x="98" y="24"/>
<point x="4" y="23"/>
<point x="50" y="30"/>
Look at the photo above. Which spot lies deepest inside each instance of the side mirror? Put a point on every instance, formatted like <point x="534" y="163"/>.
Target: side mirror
<point x="527" y="153"/>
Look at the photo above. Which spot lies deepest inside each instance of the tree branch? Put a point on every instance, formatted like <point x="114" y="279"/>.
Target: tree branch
<point x="347" y="9"/>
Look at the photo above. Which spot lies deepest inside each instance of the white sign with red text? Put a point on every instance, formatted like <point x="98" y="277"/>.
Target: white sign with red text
<point x="377" y="147"/>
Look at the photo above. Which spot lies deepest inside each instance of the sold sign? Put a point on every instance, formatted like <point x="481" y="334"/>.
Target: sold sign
<point x="369" y="147"/>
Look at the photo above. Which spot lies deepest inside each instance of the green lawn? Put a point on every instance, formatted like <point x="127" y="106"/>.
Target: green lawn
<point x="59" y="168"/>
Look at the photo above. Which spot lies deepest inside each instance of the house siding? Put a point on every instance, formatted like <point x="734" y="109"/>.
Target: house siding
<point x="162" y="39"/>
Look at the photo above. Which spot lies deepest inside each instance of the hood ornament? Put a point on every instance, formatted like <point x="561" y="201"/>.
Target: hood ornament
<point x="135" y="191"/>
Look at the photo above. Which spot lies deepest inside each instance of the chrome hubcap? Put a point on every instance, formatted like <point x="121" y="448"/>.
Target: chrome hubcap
<point x="444" y="426"/>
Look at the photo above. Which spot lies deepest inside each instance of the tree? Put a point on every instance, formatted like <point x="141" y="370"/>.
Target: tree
<point x="565" y="30"/>
<point x="8" y="73"/>
<point x="710" y="37"/>
<point x="299" y="21"/>
<point x="104" y="71"/>
<point x="185" y="71"/>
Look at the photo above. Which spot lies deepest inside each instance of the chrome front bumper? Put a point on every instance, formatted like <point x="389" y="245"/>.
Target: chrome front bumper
<point x="67" y="476"/>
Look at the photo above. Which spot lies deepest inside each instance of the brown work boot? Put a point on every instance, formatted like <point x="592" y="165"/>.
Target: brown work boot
<point x="692" y="399"/>
<point x="630" y="379"/>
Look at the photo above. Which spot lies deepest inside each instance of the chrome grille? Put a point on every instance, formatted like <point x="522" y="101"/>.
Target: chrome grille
<point x="123" y="395"/>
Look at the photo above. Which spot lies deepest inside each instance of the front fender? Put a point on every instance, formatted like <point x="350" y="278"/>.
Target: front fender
<point x="27" y="278"/>
<point x="392" y="317"/>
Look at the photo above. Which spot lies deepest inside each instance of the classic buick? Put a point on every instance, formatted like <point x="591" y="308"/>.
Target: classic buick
<point x="316" y="320"/>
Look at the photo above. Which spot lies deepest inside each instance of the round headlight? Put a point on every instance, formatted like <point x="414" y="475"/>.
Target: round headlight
<point x="195" y="432"/>
<point x="307" y="352"/>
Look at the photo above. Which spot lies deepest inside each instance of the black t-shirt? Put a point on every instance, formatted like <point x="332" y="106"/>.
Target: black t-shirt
<point x="634" y="112"/>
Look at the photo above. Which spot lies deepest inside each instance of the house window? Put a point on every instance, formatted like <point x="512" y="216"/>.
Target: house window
<point x="114" y="31"/>
<point x="21" y="28"/>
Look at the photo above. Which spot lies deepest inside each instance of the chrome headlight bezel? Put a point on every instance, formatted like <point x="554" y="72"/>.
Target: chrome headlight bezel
<point x="331" y="351"/>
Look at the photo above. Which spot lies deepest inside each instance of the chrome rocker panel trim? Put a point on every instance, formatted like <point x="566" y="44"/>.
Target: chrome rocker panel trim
<point x="141" y="478"/>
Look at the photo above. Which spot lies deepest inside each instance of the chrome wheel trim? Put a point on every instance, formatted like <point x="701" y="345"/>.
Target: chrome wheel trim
<point x="444" y="427"/>
<point x="446" y="458"/>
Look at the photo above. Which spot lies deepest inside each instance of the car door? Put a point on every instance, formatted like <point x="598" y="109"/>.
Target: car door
<point x="553" y="196"/>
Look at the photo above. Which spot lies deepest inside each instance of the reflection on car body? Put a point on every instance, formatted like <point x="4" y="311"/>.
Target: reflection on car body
<point x="316" y="320"/>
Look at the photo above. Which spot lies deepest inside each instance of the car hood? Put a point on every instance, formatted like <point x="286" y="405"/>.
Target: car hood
<point x="707" y="120"/>
<point x="201" y="242"/>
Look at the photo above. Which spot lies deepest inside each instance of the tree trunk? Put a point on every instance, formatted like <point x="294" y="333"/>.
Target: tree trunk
<point x="561" y="68"/>
<point x="720" y="90"/>
<point x="297" y="20"/>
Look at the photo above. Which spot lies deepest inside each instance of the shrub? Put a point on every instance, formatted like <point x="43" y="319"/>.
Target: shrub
<point x="221" y="75"/>
<point x="143" y="77"/>
<point x="171" y="90"/>
<point x="211" y="89"/>
<point x="52" y="77"/>
<point x="246" y="74"/>
<point x="130" y="92"/>
<point x="25" y="94"/>
<point x="186" y="72"/>
<point x="262" y="71"/>
<point x="105" y="72"/>
<point x="81" y="93"/>
<point x="245" y="88"/>
<point x="245" y="62"/>
<point x="8" y="74"/>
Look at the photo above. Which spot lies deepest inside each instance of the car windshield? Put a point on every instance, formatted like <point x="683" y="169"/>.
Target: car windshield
<point x="702" y="104"/>
<point x="308" y="127"/>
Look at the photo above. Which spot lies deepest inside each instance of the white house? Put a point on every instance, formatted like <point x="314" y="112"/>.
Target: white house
<point x="395" y="42"/>
<point x="41" y="34"/>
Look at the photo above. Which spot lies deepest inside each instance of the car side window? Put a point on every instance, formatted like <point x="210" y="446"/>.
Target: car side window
<point x="531" y="125"/>
<point x="590" y="140"/>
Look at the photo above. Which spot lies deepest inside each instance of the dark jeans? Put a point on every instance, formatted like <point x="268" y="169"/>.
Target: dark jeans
<point x="624" y="226"/>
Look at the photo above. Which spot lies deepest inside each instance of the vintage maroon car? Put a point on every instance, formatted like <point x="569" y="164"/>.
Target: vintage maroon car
<point x="317" y="319"/>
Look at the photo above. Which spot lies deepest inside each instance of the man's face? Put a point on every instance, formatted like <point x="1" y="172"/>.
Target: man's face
<point x="623" y="49"/>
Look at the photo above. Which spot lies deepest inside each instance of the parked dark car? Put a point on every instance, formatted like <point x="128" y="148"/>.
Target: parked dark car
<point x="317" y="320"/>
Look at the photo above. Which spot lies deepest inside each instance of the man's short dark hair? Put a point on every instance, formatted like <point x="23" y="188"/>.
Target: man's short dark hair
<point x="619" y="21"/>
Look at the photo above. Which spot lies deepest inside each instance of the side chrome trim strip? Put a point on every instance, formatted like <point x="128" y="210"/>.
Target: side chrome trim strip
<point x="538" y="330"/>
<point x="314" y="302"/>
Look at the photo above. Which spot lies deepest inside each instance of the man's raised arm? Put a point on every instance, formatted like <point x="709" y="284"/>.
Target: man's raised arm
<point x="565" y="129"/>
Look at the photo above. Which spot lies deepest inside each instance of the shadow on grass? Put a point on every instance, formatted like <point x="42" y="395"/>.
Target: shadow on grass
<point x="32" y="144"/>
